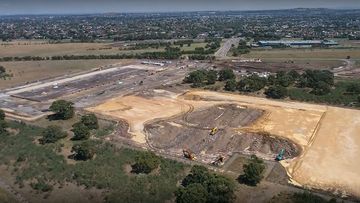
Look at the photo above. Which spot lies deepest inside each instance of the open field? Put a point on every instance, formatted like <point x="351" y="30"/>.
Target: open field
<point x="324" y="159"/>
<point x="45" y="49"/>
<point x="31" y="71"/>
<point x="290" y="54"/>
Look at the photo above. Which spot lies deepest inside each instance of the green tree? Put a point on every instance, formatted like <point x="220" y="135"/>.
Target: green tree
<point x="230" y="85"/>
<point x="211" y="77"/>
<point x="145" y="162"/>
<point x="276" y="92"/>
<point x="283" y="79"/>
<point x="252" y="83"/>
<point x="62" y="109"/>
<point x="90" y="121"/>
<point x="226" y="74"/>
<point x="83" y="151"/>
<point x="253" y="172"/>
<point x="81" y="132"/>
<point x="197" y="78"/>
<point x="220" y="189"/>
<point x="2" y="115"/>
<point x="198" y="174"/>
<point x="194" y="193"/>
<point x="321" y="88"/>
<point x="51" y="134"/>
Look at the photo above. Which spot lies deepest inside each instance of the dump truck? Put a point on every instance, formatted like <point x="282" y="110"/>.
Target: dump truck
<point x="189" y="155"/>
<point x="280" y="156"/>
<point x="219" y="161"/>
<point x="214" y="131"/>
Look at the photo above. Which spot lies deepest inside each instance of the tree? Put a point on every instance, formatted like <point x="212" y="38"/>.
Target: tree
<point x="90" y="121"/>
<point x="195" y="193"/>
<point x="219" y="188"/>
<point x="83" y="151"/>
<point x="197" y="78"/>
<point x="226" y="74"/>
<point x="211" y="77"/>
<point x="230" y="85"/>
<point x="80" y="131"/>
<point x="252" y="83"/>
<point x="321" y="88"/>
<point x="294" y="74"/>
<point x="283" y="79"/>
<point x="252" y="172"/>
<point x="276" y="92"/>
<point x="63" y="109"/>
<point x="3" y="126"/>
<point x="2" y="115"/>
<point x="51" y="134"/>
<point x="145" y="162"/>
<point x="198" y="174"/>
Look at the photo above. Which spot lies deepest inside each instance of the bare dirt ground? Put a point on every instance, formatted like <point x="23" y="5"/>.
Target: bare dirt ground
<point x="326" y="136"/>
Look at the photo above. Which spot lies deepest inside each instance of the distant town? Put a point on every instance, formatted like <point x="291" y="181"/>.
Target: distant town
<point x="261" y="25"/>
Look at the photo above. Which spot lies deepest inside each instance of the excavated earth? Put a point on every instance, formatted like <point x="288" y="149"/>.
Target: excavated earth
<point x="192" y="131"/>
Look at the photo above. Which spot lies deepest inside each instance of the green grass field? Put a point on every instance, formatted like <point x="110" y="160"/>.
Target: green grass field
<point x="30" y="162"/>
<point x="311" y="54"/>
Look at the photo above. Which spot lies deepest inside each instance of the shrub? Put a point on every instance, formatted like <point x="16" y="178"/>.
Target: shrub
<point x="90" y="121"/>
<point x="252" y="172"/>
<point x="51" y="134"/>
<point x="276" y="92"/>
<point x="83" y="151"/>
<point x="145" y="162"/>
<point x="226" y="74"/>
<point x="230" y="85"/>
<point x="81" y="132"/>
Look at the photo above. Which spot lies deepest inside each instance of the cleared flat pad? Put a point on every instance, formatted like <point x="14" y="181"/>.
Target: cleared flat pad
<point x="138" y="110"/>
<point x="332" y="162"/>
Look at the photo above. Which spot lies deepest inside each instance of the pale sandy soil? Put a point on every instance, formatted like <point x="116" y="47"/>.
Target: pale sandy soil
<point x="327" y="135"/>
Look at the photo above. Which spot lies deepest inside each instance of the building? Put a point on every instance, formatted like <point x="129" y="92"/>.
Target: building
<point x="296" y="43"/>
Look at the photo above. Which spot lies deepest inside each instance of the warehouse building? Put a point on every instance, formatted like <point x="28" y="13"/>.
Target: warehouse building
<point x="296" y="43"/>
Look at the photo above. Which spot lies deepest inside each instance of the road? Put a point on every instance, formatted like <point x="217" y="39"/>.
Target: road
<point x="225" y="48"/>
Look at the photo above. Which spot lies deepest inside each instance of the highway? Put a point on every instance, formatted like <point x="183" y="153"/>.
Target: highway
<point x="225" y="48"/>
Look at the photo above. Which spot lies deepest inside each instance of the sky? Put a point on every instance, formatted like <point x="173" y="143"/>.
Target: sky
<point x="11" y="7"/>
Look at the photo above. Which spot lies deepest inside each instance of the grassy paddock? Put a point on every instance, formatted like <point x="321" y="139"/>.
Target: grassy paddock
<point x="312" y="53"/>
<point x="32" y="163"/>
<point x="30" y="71"/>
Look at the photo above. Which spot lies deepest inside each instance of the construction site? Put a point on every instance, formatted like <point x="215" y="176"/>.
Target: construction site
<point x="316" y="144"/>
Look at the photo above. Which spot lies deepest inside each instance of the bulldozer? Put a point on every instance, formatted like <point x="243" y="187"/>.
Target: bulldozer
<point x="189" y="155"/>
<point x="214" y="131"/>
<point x="219" y="161"/>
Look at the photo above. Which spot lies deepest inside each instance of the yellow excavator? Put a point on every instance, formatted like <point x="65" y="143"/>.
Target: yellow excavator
<point x="189" y="155"/>
<point x="214" y="131"/>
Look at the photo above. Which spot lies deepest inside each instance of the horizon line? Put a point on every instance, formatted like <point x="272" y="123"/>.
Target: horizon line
<point x="180" y="11"/>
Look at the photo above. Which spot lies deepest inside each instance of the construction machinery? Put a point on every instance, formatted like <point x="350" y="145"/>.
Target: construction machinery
<point x="188" y="154"/>
<point x="219" y="161"/>
<point x="214" y="131"/>
<point x="280" y="156"/>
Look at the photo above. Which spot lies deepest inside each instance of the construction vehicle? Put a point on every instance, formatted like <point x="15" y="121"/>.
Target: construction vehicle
<point x="214" y="131"/>
<point x="188" y="154"/>
<point x="280" y="156"/>
<point x="219" y="161"/>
